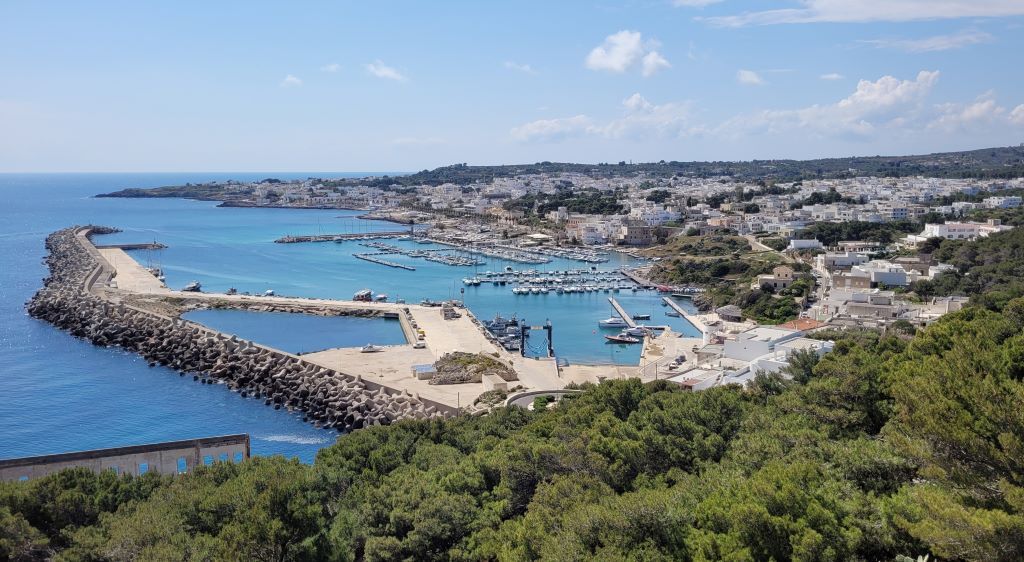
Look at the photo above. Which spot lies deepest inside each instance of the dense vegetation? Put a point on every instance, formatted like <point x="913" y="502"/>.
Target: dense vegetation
<point x="831" y="233"/>
<point x="589" y="201"/>
<point x="1003" y="162"/>
<point x="989" y="270"/>
<point x="886" y="447"/>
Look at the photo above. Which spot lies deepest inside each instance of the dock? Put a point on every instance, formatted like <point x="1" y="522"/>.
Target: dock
<point x="342" y="237"/>
<point x="622" y="312"/>
<point x="370" y="258"/>
<point x="147" y="246"/>
<point x="689" y="317"/>
<point x="634" y="277"/>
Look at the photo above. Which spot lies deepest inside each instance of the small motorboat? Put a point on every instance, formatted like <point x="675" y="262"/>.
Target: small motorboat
<point x="268" y="293"/>
<point x="232" y="291"/>
<point x="622" y="338"/>
<point x="381" y="298"/>
<point x="638" y="332"/>
<point x="641" y="317"/>
<point x="193" y="287"/>
<point x="672" y="313"/>
<point x="370" y="348"/>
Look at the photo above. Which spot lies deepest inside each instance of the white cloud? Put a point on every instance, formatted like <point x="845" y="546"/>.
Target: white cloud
<point x="549" y="130"/>
<point x="860" y="11"/>
<point x="332" y="67"/>
<point x="512" y="65"/>
<point x="653" y="62"/>
<point x="641" y="119"/>
<point x="618" y="52"/>
<point x="955" y="116"/>
<point x="749" y="78"/>
<point x="1017" y="115"/>
<point x="625" y="49"/>
<point x="644" y="119"/>
<point x="291" y="82"/>
<point x="887" y="100"/>
<point x="694" y="3"/>
<point x="949" y="42"/>
<point x="832" y="76"/>
<point x="381" y="70"/>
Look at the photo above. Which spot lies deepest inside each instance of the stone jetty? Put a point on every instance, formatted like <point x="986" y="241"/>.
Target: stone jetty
<point x="73" y="298"/>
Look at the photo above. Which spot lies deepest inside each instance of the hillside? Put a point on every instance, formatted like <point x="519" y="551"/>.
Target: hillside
<point x="1003" y="162"/>
<point x="884" y="448"/>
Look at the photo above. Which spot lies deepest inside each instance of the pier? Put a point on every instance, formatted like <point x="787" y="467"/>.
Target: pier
<point x="372" y="259"/>
<point x="634" y="277"/>
<point x="342" y="237"/>
<point x="622" y="312"/>
<point x="689" y="317"/>
<point x="149" y="246"/>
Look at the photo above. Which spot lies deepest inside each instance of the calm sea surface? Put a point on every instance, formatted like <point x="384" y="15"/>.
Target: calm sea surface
<point x="58" y="393"/>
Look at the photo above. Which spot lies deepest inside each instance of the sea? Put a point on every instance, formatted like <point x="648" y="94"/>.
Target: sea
<point x="60" y="394"/>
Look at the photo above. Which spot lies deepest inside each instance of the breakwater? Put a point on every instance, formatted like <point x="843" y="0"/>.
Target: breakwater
<point x="74" y="297"/>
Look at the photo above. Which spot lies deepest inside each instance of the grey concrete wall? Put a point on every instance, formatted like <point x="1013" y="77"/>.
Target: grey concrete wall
<point x="163" y="458"/>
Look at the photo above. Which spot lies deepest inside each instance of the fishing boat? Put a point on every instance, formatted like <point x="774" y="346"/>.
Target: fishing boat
<point x="612" y="322"/>
<point x="622" y="338"/>
<point x="193" y="287"/>
<point x="370" y="348"/>
<point x="363" y="296"/>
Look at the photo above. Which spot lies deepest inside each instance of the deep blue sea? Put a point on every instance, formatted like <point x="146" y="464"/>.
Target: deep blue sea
<point x="59" y="394"/>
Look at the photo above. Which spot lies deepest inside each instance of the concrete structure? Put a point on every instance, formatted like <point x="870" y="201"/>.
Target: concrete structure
<point x="779" y="279"/>
<point x="756" y="342"/>
<point x="957" y="231"/>
<point x="171" y="457"/>
<point x="799" y="245"/>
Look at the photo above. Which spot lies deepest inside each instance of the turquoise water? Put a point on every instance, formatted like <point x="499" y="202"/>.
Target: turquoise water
<point x="301" y="333"/>
<point x="62" y="394"/>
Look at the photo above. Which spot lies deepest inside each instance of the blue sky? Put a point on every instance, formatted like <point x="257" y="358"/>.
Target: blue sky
<point x="401" y="86"/>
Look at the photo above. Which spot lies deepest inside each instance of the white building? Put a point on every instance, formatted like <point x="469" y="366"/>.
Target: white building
<point x="957" y="231"/>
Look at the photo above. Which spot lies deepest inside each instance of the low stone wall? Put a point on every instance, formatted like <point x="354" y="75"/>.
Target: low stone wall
<point x="326" y="397"/>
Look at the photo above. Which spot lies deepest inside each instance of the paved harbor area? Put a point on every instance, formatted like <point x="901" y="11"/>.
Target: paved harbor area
<point x="392" y="367"/>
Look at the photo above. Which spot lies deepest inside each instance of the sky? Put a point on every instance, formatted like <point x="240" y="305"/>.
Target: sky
<point x="401" y="86"/>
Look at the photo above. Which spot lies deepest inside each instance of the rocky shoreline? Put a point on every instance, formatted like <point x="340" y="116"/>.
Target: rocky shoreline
<point x="327" y="398"/>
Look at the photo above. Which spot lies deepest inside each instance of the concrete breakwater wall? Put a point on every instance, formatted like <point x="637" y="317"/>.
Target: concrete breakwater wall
<point x="327" y="398"/>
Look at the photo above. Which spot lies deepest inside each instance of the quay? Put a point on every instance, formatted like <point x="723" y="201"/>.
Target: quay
<point x="150" y="246"/>
<point x="689" y="317"/>
<point x="342" y="237"/>
<point x="622" y="312"/>
<point x="370" y="258"/>
<point x="391" y="369"/>
<point x="635" y="277"/>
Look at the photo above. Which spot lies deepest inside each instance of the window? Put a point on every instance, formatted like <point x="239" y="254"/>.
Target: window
<point x="238" y="456"/>
<point x="223" y="457"/>
<point x="23" y="479"/>
<point x="208" y="459"/>
<point x="182" y="465"/>
<point x="143" y="468"/>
